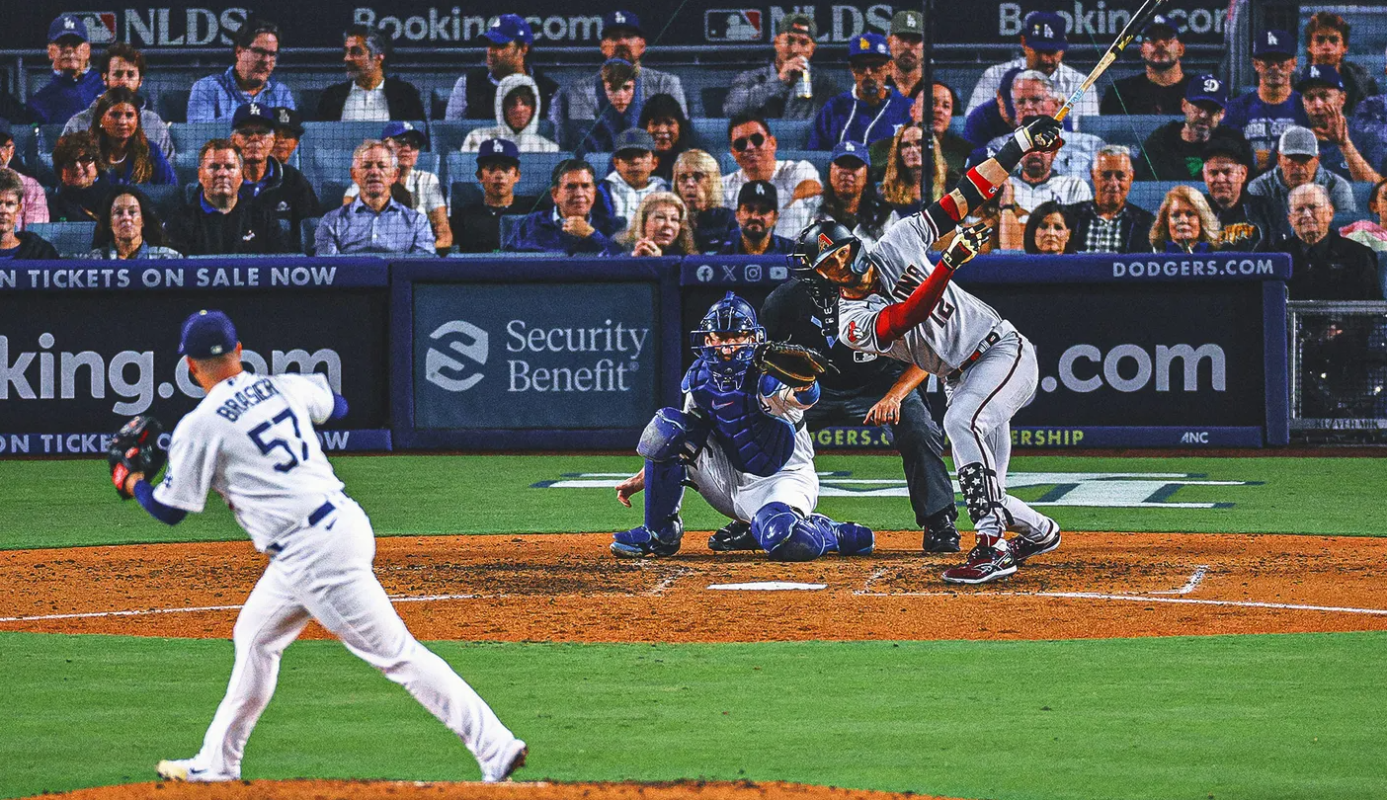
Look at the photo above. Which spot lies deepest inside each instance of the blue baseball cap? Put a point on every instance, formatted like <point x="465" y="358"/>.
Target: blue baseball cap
<point x="1160" y="27"/>
<point x="758" y="193"/>
<point x="868" y="44"/>
<point x="1207" y="89"/>
<point x="207" y="334"/>
<point x="498" y="150"/>
<point x="1276" y="43"/>
<point x="1044" y="30"/>
<point x="1319" y="75"/>
<point x="509" y="28"/>
<point x="851" y="150"/>
<point x="253" y="114"/>
<point x="621" y="20"/>
<point x="402" y="130"/>
<point x="67" y="26"/>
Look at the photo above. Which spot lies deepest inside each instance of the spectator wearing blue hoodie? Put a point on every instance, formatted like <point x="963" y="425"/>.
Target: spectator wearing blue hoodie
<point x="872" y="109"/>
<point x="74" y="84"/>
<point x="569" y="227"/>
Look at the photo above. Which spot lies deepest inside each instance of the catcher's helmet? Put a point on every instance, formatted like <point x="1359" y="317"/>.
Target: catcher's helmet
<point x="729" y="316"/>
<point x="820" y="240"/>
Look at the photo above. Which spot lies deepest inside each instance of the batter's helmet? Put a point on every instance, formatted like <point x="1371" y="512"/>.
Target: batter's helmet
<point x="820" y="240"/>
<point x="729" y="316"/>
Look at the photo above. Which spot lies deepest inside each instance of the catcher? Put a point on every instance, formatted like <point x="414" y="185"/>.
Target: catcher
<point x="740" y="441"/>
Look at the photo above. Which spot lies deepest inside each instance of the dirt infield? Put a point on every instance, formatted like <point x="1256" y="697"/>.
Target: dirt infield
<point x="567" y="588"/>
<point x="374" y="790"/>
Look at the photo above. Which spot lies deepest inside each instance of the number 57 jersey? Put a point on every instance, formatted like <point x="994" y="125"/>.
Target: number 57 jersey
<point x="951" y="334"/>
<point x="251" y="439"/>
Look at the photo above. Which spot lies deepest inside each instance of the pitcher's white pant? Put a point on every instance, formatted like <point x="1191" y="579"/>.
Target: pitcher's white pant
<point x="324" y="572"/>
<point x="739" y="495"/>
<point x="982" y="402"/>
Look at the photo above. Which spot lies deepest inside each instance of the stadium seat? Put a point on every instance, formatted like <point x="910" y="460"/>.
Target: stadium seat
<point x="1362" y="192"/>
<point x="307" y="100"/>
<point x="321" y="163"/>
<point x="172" y="105"/>
<point x="509" y="223"/>
<point x="46" y="137"/>
<point x="790" y="134"/>
<point x="307" y="231"/>
<point x="166" y="199"/>
<point x="185" y="164"/>
<point x="535" y="169"/>
<point x="331" y="192"/>
<point x="72" y="239"/>
<point x="713" y="98"/>
<point x="1150" y="194"/>
<point x="438" y="103"/>
<point x="710" y="133"/>
<point x="343" y="135"/>
<point x="25" y="142"/>
<point x="461" y="193"/>
<point x="1129" y="129"/>
<point x="189" y="137"/>
<point x="601" y="164"/>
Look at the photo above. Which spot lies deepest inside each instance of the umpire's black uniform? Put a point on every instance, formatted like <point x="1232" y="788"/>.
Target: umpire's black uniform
<point x="791" y="313"/>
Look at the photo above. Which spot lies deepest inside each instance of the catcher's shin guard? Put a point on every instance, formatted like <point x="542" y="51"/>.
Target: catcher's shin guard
<point x="786" y="536"/>
<point x="982" y="494"/>
<point x="673" y="435"/>
<point x="852" y="539"/>
<point x="662" y="531"/>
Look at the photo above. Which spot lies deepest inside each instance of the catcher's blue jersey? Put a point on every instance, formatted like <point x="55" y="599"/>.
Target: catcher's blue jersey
<point x="755" y="439"/>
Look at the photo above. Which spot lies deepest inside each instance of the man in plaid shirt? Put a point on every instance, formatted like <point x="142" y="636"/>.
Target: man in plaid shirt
<point x="1108" y="223"/>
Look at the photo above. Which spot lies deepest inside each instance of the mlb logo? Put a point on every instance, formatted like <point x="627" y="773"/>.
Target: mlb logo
<point x="733" y="25"/>
<point x="101" y="25"/>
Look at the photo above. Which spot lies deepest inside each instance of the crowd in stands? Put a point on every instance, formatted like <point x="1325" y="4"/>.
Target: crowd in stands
<point x="1279" y="167"/>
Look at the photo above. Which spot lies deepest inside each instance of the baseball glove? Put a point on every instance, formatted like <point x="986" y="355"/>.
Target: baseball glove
<point x="135" y="448"/>
<point x="790" y="364"/>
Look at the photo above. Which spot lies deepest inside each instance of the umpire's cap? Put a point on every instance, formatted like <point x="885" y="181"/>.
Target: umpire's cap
<point x="207" y="334"/>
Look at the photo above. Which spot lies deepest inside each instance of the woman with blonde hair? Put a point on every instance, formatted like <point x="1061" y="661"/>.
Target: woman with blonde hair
<point x="127" y="156"/>
<point x="659" y="227"/>
<point x="1185" y="224"/>
<point x="698" y="182"/>
<point x="900" y="187"/>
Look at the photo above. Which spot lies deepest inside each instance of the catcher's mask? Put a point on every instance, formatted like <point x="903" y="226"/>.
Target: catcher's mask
<point x="821" y="240"/>
<point x="730" y="316"/>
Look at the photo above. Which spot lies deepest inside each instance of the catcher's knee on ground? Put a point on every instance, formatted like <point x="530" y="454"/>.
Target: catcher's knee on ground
<point x="787" y="536"/>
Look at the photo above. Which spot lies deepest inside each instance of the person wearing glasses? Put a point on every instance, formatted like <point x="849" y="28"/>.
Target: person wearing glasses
<point x="81" y="186"/>
<point x="248" y="80"/>
<point x="872" y="110"/>
<point x="754" y="147"/>
<point x="698" y="182"/>
<point x="265" y="180"/>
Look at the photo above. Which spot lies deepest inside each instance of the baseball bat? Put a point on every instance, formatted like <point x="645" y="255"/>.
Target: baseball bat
<point x="1129" y="33"/>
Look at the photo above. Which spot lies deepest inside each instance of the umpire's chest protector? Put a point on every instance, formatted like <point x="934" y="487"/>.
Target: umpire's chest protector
<point x="754" y="440"/>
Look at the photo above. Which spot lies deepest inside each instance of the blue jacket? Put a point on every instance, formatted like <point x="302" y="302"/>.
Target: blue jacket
<point x="542" y="232"/>
<point x="845" y="118"/>
<point x="163" y="170"/>
<point x="63" y="97"/>
<point x="733" y="246"/>
<point x="984" y="124"/>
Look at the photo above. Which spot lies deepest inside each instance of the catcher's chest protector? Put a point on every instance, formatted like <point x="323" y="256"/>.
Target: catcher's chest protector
<point x="754" y="440"/>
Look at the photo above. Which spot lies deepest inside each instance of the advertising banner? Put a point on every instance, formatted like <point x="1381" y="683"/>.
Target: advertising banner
<point x="1092" y="24"/>
<point x="85" y="346"/>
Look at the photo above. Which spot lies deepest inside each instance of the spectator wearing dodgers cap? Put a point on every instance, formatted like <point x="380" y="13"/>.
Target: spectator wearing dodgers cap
<point x="872" y="109"/>
<point x="477" y="224"/>
<point x="1160" y="88"/>
<point x="508" y="41"/>
<point x="757" y="213"/>
<point x="1298" y="164"/>
<point x="1264" y="113"/>
<point x="1350" y="150"/>
<point x="1043" y="44"/>
<point x="74" y="85"/>
<point x="1175" y="151"/>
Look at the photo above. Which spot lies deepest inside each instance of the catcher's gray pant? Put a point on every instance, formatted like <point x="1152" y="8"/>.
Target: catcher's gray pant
<point x="982" y="401"/>
<point x="324" y="572"/>
<point x="739" y="495"/>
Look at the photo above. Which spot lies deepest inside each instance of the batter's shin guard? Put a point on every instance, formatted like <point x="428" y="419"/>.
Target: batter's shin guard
<point x="786" y="536"/>
<point x="662" y="531"/>
<point x="982" y="494"/>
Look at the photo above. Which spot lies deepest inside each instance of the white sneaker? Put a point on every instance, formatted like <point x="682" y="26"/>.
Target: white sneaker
<point x="512" y="758"/>
<point x="182" y="769"/>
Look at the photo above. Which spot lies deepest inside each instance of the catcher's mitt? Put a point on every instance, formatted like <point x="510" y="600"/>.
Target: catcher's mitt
<point x="135" y="448"/>
<point x="790" y="364"/>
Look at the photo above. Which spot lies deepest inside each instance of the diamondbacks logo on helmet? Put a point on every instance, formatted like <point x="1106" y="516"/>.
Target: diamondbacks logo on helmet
<point x="825" y="240"/>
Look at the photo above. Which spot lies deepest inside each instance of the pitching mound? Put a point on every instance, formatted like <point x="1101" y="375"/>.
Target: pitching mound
<point x="371" y="790"/>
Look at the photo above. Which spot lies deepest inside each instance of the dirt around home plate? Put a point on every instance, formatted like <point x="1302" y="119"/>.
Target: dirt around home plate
<point x="567" y="588"/>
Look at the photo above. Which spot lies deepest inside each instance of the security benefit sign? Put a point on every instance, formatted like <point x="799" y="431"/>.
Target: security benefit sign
<point x="1140" y="355"/>
<point x="556" y="356"/>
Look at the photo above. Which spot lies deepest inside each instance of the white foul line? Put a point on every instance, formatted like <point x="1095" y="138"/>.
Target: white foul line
<point x="1192" y="583"/>
<point x="1193" y="601"/>
<point x="197" y="609"/>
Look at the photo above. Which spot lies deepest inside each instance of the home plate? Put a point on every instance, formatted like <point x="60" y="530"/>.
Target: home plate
<point x="768" y="586"/>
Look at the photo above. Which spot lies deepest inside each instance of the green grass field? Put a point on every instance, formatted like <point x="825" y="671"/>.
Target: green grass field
<point x="1257" y="717"/>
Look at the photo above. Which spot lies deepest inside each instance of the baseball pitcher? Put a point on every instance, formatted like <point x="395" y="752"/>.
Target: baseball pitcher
<point x="252" y="440"/>
<point x="740" y="441"/>
<point x="892" y="302"/>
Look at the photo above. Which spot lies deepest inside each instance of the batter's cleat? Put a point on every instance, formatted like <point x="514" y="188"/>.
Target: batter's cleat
<point x="940" y="537"/>
<point x="512" y="759"/>
<point x="641" y="542"/>
<point x="985" y="564"/>
<point x="183" y="769"/>
<point x="1023" y="548"/>
<point x="735" y="535"/>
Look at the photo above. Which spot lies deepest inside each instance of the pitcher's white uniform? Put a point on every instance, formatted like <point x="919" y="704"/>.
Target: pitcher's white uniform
<point x="252" y="441"/>
<point x="989" y="368"/>
<point x="739" y="495"/>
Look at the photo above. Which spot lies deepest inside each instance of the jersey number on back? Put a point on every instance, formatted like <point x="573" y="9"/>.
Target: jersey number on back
<point x="266" y="447"/>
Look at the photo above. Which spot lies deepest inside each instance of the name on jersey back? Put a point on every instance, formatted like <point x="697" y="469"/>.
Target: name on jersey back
<point x="247" y="398"/>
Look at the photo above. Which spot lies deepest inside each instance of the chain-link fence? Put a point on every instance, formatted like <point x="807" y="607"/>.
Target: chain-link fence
<point x="1339" y="370"/>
